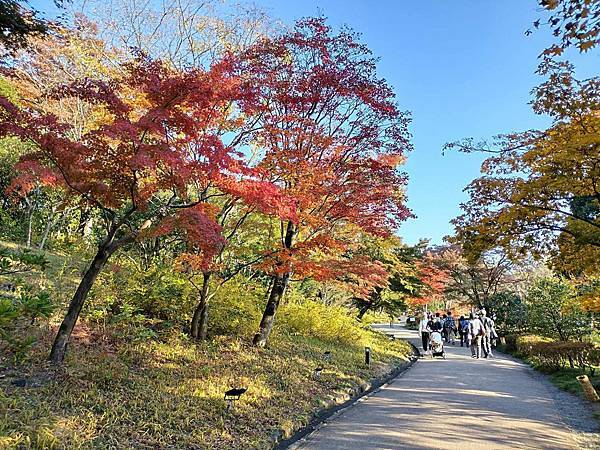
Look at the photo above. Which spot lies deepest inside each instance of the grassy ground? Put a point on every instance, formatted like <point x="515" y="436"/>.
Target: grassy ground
<point x="566" y="380"/>
<point x="169" y="394"/>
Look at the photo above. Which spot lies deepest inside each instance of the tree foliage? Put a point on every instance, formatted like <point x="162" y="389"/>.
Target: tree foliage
<point x="574" y="22"/>
<point x="553" y="310"/>
<point x="18" y="22"/>
<point x="539" y="189"/>
<point x="332" y="138"/>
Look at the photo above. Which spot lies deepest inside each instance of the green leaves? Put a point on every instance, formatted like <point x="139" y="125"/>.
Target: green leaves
<point x="14" y="262"/>
<point x="36" y="305"/>
<point x="554" y="311"/>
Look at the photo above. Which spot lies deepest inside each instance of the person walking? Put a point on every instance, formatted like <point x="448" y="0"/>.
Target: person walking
<point x="425" y="330"/>
<point x="488" y="336"/>
<point x="475" y="333"/>
<point x="450" y="328"/>
<point x="437" y="323"/>
<point x="463" y="331"/>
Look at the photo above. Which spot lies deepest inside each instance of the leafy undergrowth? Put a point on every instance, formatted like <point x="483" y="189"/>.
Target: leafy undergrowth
<point x="169" y="393"/>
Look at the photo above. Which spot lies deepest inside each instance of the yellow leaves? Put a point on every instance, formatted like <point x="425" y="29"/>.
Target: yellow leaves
<point x="587" y="45"/>
<point x="591" y="302"/>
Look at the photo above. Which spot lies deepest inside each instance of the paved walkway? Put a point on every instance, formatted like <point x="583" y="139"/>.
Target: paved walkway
<point x="456" y="403"/>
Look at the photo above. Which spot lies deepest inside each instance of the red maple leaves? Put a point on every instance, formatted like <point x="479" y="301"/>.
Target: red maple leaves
<point x="333" y="138"/>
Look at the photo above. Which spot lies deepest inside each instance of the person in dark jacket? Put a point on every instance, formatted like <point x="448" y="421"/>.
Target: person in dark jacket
<point x="463" y="331"/>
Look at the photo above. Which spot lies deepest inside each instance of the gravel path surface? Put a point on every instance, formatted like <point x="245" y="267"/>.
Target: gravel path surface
<point x="461" y="403"/>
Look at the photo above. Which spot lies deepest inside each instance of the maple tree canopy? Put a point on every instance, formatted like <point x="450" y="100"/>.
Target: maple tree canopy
<point x="333" y="138"/>
<point x="154" y="153"/>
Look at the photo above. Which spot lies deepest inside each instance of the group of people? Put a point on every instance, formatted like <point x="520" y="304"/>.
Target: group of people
<point x="477" y="332"/>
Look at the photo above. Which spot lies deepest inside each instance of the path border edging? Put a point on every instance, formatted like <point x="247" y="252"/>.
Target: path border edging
<point x="321" y="416"/>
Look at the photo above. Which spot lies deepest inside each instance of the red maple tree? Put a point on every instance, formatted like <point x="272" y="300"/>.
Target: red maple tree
<point x="434" y="281"/>
<point x="333" y="138"/>
<point x="151" y="163"/>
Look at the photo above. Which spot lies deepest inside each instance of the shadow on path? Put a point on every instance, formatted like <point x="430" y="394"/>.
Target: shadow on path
<point x="456" y="403"/>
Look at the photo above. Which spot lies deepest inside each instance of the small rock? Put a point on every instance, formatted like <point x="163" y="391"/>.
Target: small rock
<point x="21" y="382"/>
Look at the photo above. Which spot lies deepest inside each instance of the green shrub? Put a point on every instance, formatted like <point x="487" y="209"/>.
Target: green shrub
<point x="510" y="310"/>
<point x="311" y="318"/>
<point x="128" y="297"/>
<point x="34" y="305"/>
<point x="236" y="309"/>
<point x="8" y="312"/>
<point x="27" y="306"/>
<point x="510" y="343"/>
<point x="554" y="310"/>
<point x="554" y="356"/>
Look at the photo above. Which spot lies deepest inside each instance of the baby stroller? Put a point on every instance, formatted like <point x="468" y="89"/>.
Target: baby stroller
<point x="436" y="345"/>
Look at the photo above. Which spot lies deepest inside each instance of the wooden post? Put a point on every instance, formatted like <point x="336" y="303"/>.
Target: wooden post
<point x="588" y="388"/>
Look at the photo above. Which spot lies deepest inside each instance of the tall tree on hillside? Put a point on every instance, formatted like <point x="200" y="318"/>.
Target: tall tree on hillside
<point x="332" y="138"/>
<point x="147" y="167"/>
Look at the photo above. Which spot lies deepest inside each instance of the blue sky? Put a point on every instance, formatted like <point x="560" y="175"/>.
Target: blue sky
<point x="464" y="68"/>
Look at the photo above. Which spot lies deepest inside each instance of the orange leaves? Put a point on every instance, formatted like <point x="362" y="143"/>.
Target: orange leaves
<point x="265" y="196"/>
<point x="434" y="279"/>
<point x="158" y="150"/>
<point x="201" y="231"/>
<point x="591" y="302"/>
<point x="332" y="133"/>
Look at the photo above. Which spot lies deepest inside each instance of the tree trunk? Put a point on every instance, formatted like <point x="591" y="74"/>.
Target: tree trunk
<point x="280" y="283"/>
<point x="49" y="225"/>
<point x="199" y="325"/>
<point x="30" y="211"/>
<point x="59" y="347"/>
<point x="362" y="311"/>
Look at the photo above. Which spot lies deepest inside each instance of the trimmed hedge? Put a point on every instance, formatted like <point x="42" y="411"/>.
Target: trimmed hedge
<point x="551" y="356"/>
<point x="554" y="356"/>
<point x="521" y="345"/>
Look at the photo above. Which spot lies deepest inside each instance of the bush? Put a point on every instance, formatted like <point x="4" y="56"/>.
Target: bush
<point x="311" y="318"/>
<point x="510" y="343"/>
<point x="236" y="309"/>
<point x="17" y="315"/>
<point x="524" y="344"/>
<point x="553" y="310"/>
<point x="510" y="310"/>
<point x="127" y="297"/>
<point x="554" y="356"/>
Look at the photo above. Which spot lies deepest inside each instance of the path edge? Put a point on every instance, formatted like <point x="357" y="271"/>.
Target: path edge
<point x="321" y="416"/>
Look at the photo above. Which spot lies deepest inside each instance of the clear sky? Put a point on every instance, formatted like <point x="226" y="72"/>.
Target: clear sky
<point x="464" y="68"/>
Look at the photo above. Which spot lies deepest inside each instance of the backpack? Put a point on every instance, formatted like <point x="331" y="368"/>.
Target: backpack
<point x="481" y="331"/>
<point x="465" y="326"/>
